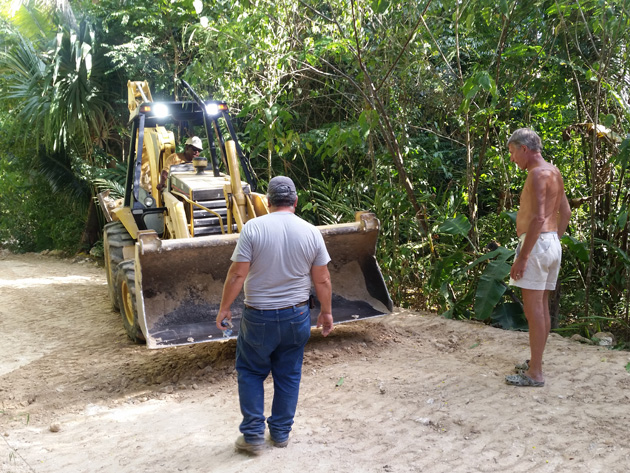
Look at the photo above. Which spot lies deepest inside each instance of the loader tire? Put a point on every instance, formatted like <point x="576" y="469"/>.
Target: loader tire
<point x="115" y="238"/>
<point x="126" y="293"/>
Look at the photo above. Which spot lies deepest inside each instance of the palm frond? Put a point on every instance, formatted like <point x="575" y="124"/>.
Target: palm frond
<point x="56" y="90"/>
<point x="34" y="19"/>
<point x="116" y="190"/>
<point x="57" y="169"/>
<point x="112" y="179"/>
<point x="338" y="201"/>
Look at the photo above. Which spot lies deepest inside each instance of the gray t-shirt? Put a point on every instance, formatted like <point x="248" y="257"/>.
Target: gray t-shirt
<point x="281" y="249"/>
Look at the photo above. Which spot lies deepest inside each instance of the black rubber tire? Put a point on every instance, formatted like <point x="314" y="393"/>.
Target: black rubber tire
<point x="126" y="294"/>
<point x="115" y="239"/>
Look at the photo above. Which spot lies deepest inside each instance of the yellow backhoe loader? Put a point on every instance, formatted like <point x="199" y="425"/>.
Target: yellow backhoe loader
<point x="167" y="251"/>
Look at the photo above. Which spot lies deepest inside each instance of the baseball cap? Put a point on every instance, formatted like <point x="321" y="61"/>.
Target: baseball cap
<point x="195" y="141"/>
<point x="280" y="186"/>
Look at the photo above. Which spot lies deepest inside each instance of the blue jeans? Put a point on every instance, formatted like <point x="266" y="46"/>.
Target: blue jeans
<point x="270" y="341"/>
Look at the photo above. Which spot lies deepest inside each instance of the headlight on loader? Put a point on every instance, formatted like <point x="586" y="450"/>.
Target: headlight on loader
<point x="212" y="109"/>
<point x="160" y="110"/>
<point x="149" y="201"/>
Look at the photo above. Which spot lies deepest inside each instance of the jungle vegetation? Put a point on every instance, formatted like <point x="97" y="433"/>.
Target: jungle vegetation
<point x="398" y="107"/>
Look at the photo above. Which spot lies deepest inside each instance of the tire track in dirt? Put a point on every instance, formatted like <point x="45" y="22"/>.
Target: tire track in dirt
<point x="407" y="392"/>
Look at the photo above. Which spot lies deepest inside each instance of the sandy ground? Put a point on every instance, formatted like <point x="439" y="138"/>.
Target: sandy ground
<point x="406" y="392"/>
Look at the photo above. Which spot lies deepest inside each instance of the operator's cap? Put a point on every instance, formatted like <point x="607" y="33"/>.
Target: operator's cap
<point x="196" y="142"/>
<point x="281" y="186"/>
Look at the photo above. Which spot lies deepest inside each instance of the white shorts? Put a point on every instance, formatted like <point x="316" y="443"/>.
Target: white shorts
<point x="543" y="265"/>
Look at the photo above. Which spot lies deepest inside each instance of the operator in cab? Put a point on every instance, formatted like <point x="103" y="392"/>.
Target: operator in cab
<point x="192" y="148"/>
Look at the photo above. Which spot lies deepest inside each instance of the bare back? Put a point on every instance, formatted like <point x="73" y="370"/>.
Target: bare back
<point x="542" y="197"/>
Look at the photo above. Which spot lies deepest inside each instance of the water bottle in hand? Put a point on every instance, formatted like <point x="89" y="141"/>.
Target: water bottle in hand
<point x="227" y="333"/>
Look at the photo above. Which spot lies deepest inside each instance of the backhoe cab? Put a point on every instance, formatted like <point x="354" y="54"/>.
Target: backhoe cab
<point x="167" y="252"/>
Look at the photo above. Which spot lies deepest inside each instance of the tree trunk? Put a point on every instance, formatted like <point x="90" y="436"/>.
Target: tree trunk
<point x="92" y="228"/>
<point x="554" y="306"/>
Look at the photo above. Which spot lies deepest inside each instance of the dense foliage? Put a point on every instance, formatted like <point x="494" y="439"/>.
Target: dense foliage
<point x="402" y="108"/>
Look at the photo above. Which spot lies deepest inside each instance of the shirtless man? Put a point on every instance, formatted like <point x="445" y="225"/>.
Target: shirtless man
<point x="192" y="148"/>
<point x="540" y="223"/>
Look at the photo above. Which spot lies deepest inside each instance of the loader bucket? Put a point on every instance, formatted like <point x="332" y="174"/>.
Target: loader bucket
<point x="179" y="282"/>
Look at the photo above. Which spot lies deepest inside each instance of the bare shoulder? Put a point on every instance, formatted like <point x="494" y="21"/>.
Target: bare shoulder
<point x="545" y="174"/>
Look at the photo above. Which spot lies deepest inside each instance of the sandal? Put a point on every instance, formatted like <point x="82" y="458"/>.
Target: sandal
<point x="521" y="379"/>
<point x="522" y="366"/>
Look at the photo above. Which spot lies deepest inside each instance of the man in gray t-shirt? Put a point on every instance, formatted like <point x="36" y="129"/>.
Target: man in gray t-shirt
<point x="281" y="249"/>
<point x="277" y="258"/>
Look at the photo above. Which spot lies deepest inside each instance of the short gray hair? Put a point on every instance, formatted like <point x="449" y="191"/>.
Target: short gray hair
<point x="526" y="137"/>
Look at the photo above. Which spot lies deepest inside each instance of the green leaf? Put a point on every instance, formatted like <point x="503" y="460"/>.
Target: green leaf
<point x="579" y="249"/>
<point x="622" y="254"/>
<point x="455" y="226"/>
<point x="340" y="382"/>
<point x="380" y="6"/>
<point x="509" y="316"/>
<point x="497" y="270"/>
<point x="502" y="254"/>
<point x="470" y="88"/>
<point x="509" y="215"/>
<point x="628" y="367"/>
<point x="485" y="81"/>
<point x="490" y="288"/>
<point x="448" y="314"/>
<point x="609" y="120"/>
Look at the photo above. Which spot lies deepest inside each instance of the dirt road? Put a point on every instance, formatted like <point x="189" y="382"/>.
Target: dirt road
<point x="409" y="392"/>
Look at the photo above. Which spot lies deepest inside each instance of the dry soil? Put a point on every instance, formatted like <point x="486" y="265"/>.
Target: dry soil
<point x="404" y="393"/>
